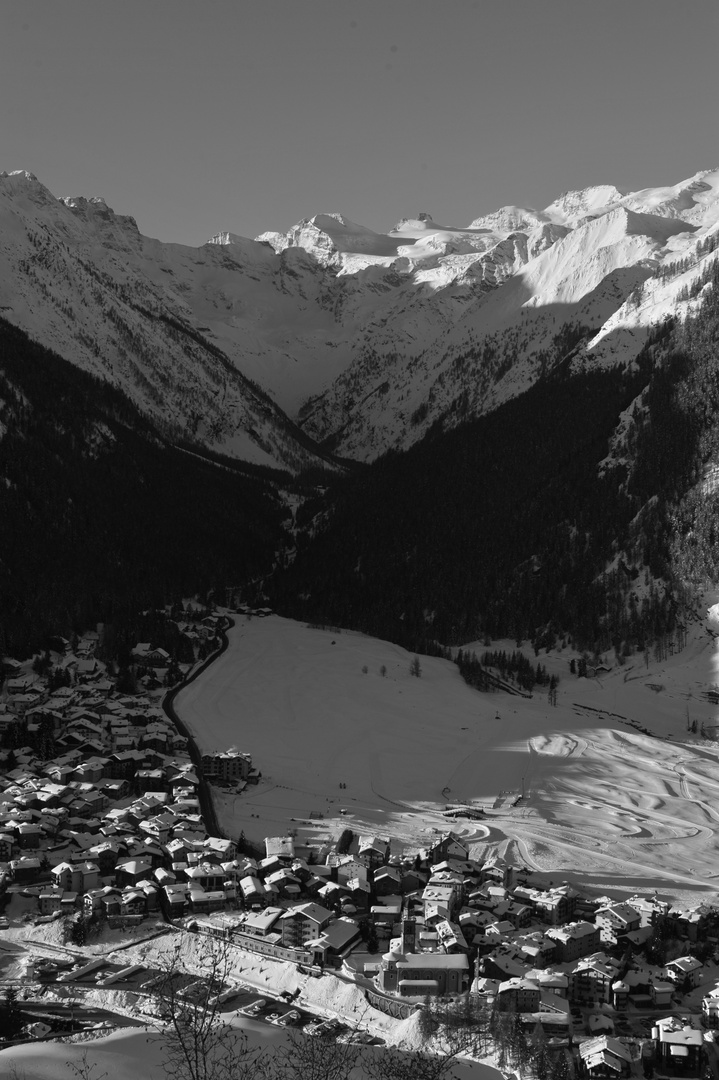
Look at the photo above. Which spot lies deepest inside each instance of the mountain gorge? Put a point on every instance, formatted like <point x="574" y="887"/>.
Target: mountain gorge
<point x="511" y="423"/>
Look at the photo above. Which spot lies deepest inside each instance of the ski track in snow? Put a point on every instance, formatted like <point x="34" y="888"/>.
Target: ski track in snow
<point x="610" y="791"/>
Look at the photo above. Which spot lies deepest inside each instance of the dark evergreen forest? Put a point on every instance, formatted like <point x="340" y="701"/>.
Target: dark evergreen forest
<point x="100" y="516"/>
<point x="509" y="527"/>
<point x="583" y="511"/>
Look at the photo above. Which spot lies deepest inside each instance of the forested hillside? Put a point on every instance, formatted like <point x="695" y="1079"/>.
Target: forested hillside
<point x="512" y="526"/>
<point x="584" y="510"/>
<point x="99" y="514"/>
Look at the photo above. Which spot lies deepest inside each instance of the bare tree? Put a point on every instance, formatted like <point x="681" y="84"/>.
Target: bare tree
<point x="310" y="1057"/>
<point x="86" y="1069"/>
<point x="398" y="1064"/>
<point x="198" y="1044"/>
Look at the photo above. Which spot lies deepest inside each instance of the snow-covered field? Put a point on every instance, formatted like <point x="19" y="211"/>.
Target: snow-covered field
<point x="606" y="805"/>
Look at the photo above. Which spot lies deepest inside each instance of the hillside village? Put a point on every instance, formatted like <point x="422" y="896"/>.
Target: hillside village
<point x="104" y="827"/>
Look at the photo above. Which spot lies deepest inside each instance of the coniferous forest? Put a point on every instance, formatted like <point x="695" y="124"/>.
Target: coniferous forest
<point x="101" y="515"/>
<point x="583" y="511"/>
<point x="538" y="521"/>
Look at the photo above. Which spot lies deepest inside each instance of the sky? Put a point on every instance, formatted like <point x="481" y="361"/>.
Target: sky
<point x="248" y="115"/>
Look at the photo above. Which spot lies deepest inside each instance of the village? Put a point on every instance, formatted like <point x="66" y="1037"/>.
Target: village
<point x="104" y="835"/>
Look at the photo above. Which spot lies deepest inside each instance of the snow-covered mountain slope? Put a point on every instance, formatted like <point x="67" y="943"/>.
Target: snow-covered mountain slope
<point x="594" y="264"/>
<point x="83" y="281"/>
<point x="366" y="339"/>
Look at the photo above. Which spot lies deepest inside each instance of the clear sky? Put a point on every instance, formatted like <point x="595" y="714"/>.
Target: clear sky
<point x="248" y="115"/>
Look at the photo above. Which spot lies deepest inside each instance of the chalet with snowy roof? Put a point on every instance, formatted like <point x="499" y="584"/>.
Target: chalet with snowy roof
<point x="131" y="871"/>
<point x="253" y="891"/>
<point x="605" y="1056"/>
<point x="346" y="867"/>
<point x="386" y="880"/>
<point x="202" y="902"/>
<point x="617" y="920"/>
<point x="448" y="846"/>
<point x="29" y="835"/>
<point x="661" y="991"/>
<point x="143" y="653"/>
<point x="210" y="878"/>
<point x="174" y="901"/>
<point x="373" y="851"/>
<point x="680" y="1046"/>
<point x="281" y="848"/>
<point x="357" y="895"/>
<point x="685" y="971"/>
<point x="499" y="872"/>
<point x="75" y="877"/>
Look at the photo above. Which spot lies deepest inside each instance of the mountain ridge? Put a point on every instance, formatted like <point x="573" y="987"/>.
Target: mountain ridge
<point x="363" y="340"/>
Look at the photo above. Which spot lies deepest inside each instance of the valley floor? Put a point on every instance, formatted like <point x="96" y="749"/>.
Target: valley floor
<point x="618" y="795"/>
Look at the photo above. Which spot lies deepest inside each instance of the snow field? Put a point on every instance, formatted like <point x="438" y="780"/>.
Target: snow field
<point x="605" y="804"/>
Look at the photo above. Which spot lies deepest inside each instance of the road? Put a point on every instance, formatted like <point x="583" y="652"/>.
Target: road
<point x="204" y="791"/>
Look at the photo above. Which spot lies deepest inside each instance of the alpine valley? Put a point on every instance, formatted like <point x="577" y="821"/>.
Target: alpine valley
<point x="434" y="434"/>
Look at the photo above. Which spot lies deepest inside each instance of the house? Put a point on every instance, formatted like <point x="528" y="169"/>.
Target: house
<point x="617" y="920"/>
<point x="373" y="851"/>
<point x="131" y="871"/>
<point x="50" y="900"/>
<point x="518" y="995"/>
<point x="387" y="879"/>
<point x="680" y="1046"/>
<point x="448" y="846"/>
<point x="661" y="993"/>
<point x="605" y="1056"/>
<point x="226" y="765"/>
<point x="253" y="891"/>
<point x="335" y="941"/>
<point x="174" y="901"/>
<point x="208" y="877"/>
<point x="710" y="1008"/>
<point x="574" y="940"/>
<point x="25" y="870"/>
<point x="591" y="980"/>
<point x="652" y="911"/>
<point x="303" y="923"/>
<point x="262" y="923"/>
<point x="280" y="847"/>
<point x="685" y="972"/>
<point x="441" y="895"/>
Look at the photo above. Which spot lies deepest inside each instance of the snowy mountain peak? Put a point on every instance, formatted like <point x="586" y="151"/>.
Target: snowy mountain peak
<point x="573" y="205"/>
<point x="22" y="174"/>
<point x="25" y="185"/>
<point x="366" y="338"/>
<point x="510" y="219"/>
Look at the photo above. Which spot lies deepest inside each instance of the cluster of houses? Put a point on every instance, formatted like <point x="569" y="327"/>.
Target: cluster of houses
<point x="111" y="822"/>
<point x="110" y="829"/>
<point x="449" y="923"/>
